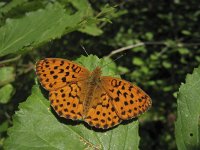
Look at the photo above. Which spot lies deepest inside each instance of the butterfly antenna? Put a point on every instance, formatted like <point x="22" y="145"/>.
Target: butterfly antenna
<point x="114" y="59"/>
<point x="84" y="50"/>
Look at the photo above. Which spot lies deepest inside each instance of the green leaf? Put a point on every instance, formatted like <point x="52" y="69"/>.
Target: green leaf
<point x="123" y="69"/>
<point x="91" y="27"/>
<point x="166" y="64"/>
<point x="35" y="126"/>
<point x="2" y="4"/>
<point x="187" y="125"/>
<point x="6" y="92"/>
<point x="92" y="30"/>
<point x="149" y="36"/>
<point x="170" y="43"/>
<point x="82" y="5"/>
<point x="183" y="51"/>
<point x="108" y="66"/>
<point x="3" y="127"/>
<point x="137" y="61"/>
<point x="20" y="35"/>
<point x="106" y="10"/>
<point x="11" y="5"/>
<point x="186" y="32"/>
<point x="7" y="75"/>
<point x="144" y="69"/>
<point x="139" y="49"/>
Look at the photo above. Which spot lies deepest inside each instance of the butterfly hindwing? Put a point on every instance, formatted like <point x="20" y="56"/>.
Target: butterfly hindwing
<point x="67" y="102"/>
<point x="102" y="114"/>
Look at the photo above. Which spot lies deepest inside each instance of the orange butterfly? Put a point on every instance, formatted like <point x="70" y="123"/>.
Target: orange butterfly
<point x="78" y="94"/>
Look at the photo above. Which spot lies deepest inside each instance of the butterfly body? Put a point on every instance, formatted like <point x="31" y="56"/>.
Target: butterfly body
<point x="78" y="94"/>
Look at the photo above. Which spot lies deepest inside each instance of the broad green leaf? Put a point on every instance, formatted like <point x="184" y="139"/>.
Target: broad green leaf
<point x="19" y="35"/>
<point x="35" y="126"/>
<point x="11" y="5"/>
<point x="6" y="92"/>
<point x="7" y="75"/>
<point x="187" y="127"/>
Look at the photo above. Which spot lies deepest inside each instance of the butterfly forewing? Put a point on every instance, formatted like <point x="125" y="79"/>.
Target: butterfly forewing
<point x="54" y="73"/>
<point x="128" y="100"/>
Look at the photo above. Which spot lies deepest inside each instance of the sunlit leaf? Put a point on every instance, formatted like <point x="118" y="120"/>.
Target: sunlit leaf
<point x="20" y="35"/>
<point x="6" y="92"/>
<point x="187" y="127"/>
<point x="7" y="75"/>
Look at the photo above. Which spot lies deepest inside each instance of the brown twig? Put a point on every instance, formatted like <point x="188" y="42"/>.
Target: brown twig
<point x="10" y="60"/>
<point x="26" y="68"/>
<point x="147" y="43"/>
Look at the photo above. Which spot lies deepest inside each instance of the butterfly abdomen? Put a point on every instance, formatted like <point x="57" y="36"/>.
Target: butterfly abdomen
<point x="88" y="99"/>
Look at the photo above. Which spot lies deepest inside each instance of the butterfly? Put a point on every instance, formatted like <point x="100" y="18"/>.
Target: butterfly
<point x="78" y="94"/>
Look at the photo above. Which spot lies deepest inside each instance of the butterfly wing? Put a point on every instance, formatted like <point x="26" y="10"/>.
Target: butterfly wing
<point x="128" y="100"/>
<point x="55" y="73"/>
<point x="67" y="101"/>
<point x="113" y="100"/>
<point x="101" y="113"/>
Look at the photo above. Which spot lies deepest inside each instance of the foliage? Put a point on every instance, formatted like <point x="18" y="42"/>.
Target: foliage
<point x="6" y="92"/>
<point x="167" y="33"/>
<point x="37" y="27"/>
<point x="7" y="75"/>
<point x="187" y="125"/>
